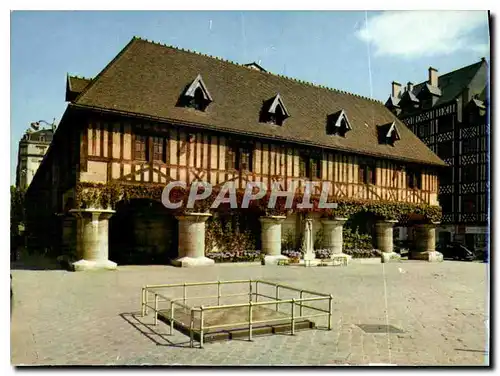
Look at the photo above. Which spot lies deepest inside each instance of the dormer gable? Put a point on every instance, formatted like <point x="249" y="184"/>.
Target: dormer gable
<point x="388" y="133"/>
<point x="338" y="124"/>
<point x="196" y="95"/>
<point x="255" y="66"/>
<point x="274" y="111"/>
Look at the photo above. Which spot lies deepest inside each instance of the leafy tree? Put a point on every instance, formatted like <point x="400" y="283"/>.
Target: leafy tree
<point x="17" y="214"/>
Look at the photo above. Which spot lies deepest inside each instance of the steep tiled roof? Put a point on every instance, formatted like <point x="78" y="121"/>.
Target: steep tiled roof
<point x="452" y="84"/>
<point x="147" y="79"/>
<point x="75" y="85"/>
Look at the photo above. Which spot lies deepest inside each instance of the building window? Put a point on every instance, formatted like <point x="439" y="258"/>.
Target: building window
<point x="469" y="146"/>
<point x="159" y="149"/>
<point x="446" y="202"/>
<point x="239" y="157"/>
<point x="445" y="149"/>
<point x="309" y="166"/>
<point x="445" y="123"/>
<point x="413" y="178"/>
<point x="338" y="124"/>
<point x="424" y="130"/>
<point x="197" y="101"/>
<point x="367" y="174"/>
<point x="277" y="118"/>
<point x="469" y="173"/>
<point x="446" y="176"/>
<point x="469" y="203"/>
<point x="141" y="149"/>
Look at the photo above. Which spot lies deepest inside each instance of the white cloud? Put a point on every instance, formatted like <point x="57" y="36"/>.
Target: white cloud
<point x="411" y="34"/>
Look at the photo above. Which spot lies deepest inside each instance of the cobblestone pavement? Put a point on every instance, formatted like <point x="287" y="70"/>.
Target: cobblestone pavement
<point x="92" y="318"/>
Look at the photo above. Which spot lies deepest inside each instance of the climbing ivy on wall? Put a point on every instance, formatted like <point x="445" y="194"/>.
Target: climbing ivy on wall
<point x="107" y="195"/>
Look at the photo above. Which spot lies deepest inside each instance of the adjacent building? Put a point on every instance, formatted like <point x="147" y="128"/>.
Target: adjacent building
<point x="157" y="114"/>
<point x="32" y="148"/>
<point x="449" y="113"/>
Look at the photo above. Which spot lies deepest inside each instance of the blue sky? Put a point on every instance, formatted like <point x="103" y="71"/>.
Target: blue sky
<point x="334" y="49"/>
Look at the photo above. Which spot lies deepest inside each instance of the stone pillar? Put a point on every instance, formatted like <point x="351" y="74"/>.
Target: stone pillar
<point x="425" y="243"/>
<point x="384" y="239"/>
<point x="192" y="240"/>
<point x="271" y="239"/>
<point x="92" y="239"/>
<point x="333" y="237"/>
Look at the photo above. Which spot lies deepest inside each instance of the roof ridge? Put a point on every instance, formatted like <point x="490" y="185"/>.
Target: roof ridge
<point x="80" y="77"/>
<point x="256" y="71"/>
<point x="452" y="72"/>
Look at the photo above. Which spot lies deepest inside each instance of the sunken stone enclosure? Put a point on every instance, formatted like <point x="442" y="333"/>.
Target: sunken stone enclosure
<point x="221" y="310"/>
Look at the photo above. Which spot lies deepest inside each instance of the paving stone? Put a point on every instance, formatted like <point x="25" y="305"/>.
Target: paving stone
<point x="64" y="318"/>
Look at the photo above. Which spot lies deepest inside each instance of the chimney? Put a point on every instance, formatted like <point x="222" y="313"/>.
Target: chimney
<point x="433" y="77"/>
<point x="409" y="86"/>
<point x="396" y="89"/>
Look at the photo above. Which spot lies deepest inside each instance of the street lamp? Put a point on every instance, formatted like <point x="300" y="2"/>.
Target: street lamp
<point x="36" y="124"/>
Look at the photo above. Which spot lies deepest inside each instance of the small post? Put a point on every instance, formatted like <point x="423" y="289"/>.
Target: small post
<point x="172" y="308"/>
<point x="330" y="313"/>
<point x="184" y="294"/>
<point x="250" y="291"/>
<point x="142" y="301"/>
<point x="156" y="309"/>
<point x="146" y="302"/>
<point x="277" y="297"/>
<point x="293" y="317"/>
<point x="250" y="321"/>
<point x="191" y="330"/>
<point x="201" y="327"/>
<point x="256" y="291"/>
<point x="218" y="293"/>
<point x="300" y="307"/>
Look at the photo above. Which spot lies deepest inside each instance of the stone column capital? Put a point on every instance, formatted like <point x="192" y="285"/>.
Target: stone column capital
<point x="427" y="225"/>
<point x="95" y="214"/>
<point x="272" y="219"/>
<point x="194" y="217"/>
<point x="386" y="223"/>
<point x="334" y="221"/>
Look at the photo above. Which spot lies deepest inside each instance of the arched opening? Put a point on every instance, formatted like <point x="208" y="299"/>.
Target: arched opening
<point x="359" y="231"/>
<point x="235" y="232"/>
<point x="142" y="232"/>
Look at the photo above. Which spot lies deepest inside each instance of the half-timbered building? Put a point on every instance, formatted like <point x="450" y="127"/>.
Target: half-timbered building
<point x="449" y="114"/>
<point x="157" y="114"/>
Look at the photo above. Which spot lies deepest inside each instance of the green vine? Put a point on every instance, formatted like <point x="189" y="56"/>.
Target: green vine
<point x="107" y="195"/>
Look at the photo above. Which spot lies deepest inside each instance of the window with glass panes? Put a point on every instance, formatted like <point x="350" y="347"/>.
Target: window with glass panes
<point x="413" y="178"/>
<point x="469" y="146"/>
<point x="445" y="149"/>
<point x="469" y="173"/>
<point x="445" y="124"/>
<point x="309" y="166"/>
<point x="367" y="173"/>
<point x="469" y="203"/>
<point x="141" y="147"/>
<point x="239" y="157"/>
<point x="159" y="149"/>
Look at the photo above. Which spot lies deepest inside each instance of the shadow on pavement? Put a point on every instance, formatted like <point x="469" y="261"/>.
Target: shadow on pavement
<point x="148" y="330"/>
<point x="35" y="262"/>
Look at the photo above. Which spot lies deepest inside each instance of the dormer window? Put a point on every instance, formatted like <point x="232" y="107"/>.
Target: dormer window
<point x="338" y="124"/>
<point x="274" y="111"/>
<point x="196" y="95"/>
<point x="388" y="134"/>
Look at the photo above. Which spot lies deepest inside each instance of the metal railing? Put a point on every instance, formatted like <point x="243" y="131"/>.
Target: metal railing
<point x="253" y="291"/>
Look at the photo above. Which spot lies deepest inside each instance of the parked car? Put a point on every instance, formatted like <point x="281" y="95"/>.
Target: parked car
<point x="456" y="251"/>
